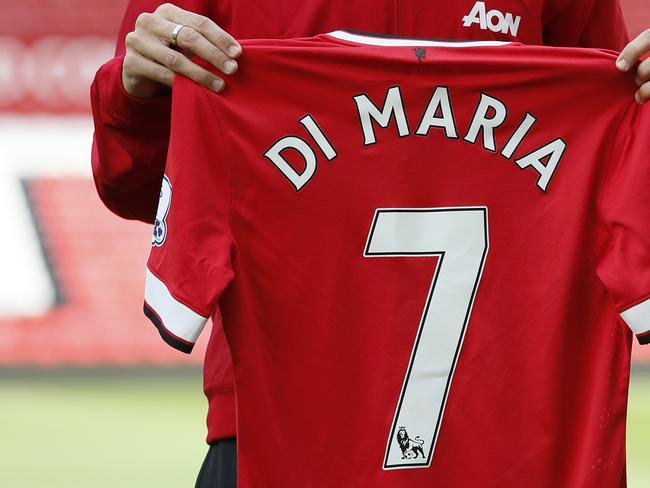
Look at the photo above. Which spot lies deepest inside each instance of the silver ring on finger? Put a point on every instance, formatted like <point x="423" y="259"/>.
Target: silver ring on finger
<point x="174" y="36"/>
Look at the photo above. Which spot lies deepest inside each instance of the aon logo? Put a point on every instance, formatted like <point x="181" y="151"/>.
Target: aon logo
<point x="494" y="20"/>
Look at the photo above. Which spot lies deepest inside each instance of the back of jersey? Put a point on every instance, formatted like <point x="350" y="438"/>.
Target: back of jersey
<point x="421" y="251"/>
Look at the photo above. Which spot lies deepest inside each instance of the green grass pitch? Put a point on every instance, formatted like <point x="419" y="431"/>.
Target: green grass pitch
<point x="134" y="428"/>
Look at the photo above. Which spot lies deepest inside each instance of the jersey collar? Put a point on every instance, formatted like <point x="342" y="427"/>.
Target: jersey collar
<point x="374" y="39"/>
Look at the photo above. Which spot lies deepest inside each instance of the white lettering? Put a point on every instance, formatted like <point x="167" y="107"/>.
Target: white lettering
<point x="319" y="137"/>
<point x="476" y="16"/>
<point x="439" y="101"/>
<point x="298" y="180"/>
<point x="553" y="151"/>
<point x="481" y="121"/>
<point x="495" y="20"/>
<point x="518" y="136"/>
<point x="500" y="20"/>
<point x="490" y="114"/>
<point x="511" y="24"/>
<point x="393" y="107"/>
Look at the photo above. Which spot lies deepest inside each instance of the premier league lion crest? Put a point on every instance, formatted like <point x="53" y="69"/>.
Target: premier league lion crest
<point x="410" y="447"/>
<point x="160" y="224"/>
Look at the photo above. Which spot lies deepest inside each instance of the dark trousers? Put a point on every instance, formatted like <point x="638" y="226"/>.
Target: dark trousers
<point x="219" y="469"/>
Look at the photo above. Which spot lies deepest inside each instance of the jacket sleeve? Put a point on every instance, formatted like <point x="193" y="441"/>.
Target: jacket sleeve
<point x="129" y="145"/>
<point x="584" y="23"/>
<point x="131" y="134"/>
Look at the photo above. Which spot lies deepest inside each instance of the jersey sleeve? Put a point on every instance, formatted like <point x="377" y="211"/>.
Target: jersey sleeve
<point x="189" y="265"/>
<point x="584" y="23"/>
<point x="625" y="207"/>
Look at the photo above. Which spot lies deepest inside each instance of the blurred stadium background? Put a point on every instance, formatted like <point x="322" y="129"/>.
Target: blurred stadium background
<point x="89" y="395"/>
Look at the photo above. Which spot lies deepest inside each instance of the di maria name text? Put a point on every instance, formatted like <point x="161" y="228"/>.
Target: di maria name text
<point x="489" y="115"/>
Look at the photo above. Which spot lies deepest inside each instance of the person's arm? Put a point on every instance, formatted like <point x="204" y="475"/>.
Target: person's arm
<point x="129" y="145"/>
<point x="584" y="23"/>
<point x="131" y="103"/>
<point x="606" y="29"/>
<point x="603" y="27"/>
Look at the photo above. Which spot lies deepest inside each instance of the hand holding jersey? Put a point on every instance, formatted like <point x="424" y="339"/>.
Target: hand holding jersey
<point x="151" y="61"/>
<point x="628" y="58"/>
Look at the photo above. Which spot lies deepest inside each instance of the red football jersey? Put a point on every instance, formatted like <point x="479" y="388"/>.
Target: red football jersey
<point x="132" y="134"/>
<point x="421" y="252"/>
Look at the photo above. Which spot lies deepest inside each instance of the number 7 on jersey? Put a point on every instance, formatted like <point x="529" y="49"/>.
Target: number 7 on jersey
<point x="459" y="237"/>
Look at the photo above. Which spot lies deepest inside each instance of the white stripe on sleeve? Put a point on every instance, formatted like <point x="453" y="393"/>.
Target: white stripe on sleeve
<point x="177" y="318"/>
<point x="638" y="317"/>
